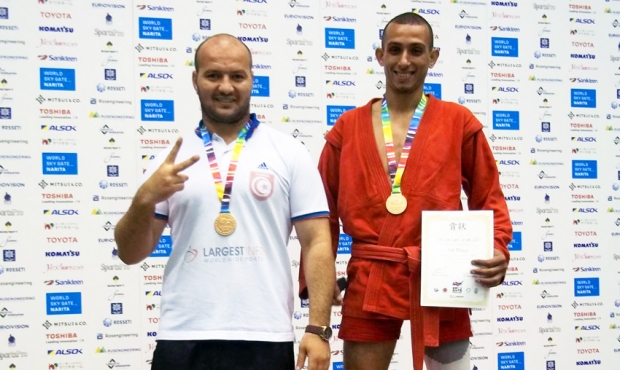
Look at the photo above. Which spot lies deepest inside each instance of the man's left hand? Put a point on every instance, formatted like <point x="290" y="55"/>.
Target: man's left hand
<point x="317" y="351"/>
<point x="491" y="272"/>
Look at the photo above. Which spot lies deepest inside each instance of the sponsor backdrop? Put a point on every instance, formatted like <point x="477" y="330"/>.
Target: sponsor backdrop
<point x="91" y="91"/>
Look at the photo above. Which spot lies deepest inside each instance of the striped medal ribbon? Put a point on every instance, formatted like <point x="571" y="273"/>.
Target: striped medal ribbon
<point x="225" y="224"/>
<point x="396" y="203"/>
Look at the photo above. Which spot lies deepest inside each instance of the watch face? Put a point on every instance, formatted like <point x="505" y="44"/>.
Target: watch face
<point x="328" y="332"/>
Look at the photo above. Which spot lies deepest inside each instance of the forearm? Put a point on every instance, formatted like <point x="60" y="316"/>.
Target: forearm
<point x="134" y="232"/>
<point x="320" y="272"/>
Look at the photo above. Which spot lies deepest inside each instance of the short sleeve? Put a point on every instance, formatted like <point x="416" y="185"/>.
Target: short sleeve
<point x="161" y="209"/>
<point x="307" y="195"/>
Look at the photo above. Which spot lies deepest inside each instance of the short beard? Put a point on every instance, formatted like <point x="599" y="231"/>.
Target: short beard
<point x="404" y="90"/>
<point x="229" y="119"/>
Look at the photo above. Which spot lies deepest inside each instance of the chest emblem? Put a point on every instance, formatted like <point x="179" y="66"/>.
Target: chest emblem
<point x="261" y="182"/>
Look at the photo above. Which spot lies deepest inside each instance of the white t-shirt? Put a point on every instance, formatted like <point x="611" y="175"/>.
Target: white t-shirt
<point x="236" y="287"/>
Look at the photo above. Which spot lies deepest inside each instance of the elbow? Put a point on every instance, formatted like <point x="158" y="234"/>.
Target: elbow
<point x="128" y="259"/>
<point x="125" y="257"/>
<point x="123" y="252"/>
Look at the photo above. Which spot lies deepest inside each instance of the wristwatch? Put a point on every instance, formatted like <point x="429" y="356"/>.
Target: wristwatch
<point x="325" y="332"/>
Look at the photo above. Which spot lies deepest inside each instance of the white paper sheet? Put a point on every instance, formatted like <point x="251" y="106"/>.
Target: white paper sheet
<point x="450" y="241"/>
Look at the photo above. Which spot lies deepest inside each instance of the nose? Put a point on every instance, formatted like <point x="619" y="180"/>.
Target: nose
<point x="226" y="86"/>
<point x="403" y="61"/>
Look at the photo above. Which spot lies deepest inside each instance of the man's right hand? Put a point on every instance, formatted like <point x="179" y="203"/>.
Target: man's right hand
<point x="167" y="179"/>
<point x="337" y="296"/>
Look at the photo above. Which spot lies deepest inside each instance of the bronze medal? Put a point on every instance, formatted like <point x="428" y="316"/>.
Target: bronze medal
<point x="396" y="204"/>
<point x="225" y="224"/>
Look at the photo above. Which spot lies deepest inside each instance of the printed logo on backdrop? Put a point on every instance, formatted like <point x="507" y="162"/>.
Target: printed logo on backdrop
<point x="433" y="89"/>
<point x="344" y="244"/>
<point x="157" y="110"/>
<point x="61" y="79"/>
<point x="163" y="248"/>
<point x="505" y="47"/>
<point x="155" y="28"/>
<point x="506" y="120"/>
<point x="583" y="98"/>
<point x="511" y="360"/>
<point x="64" y="303"/>
<point x="5" y="113"/>
<point x="515" y="244"/>
<point x="155" y="8"/>
<point x="339" y="38"/>
<point x="584" y="169"/>
<point x="260" y="86"/>
<point x="60" y="163"/>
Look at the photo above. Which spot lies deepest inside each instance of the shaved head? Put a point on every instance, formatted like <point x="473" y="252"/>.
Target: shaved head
<point x="223" y="80"/>
<point x="223" y="40"/>
<point x="409" y="18"/>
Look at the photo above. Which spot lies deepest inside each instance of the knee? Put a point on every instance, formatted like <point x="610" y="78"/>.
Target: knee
<point x="368" y="355"/>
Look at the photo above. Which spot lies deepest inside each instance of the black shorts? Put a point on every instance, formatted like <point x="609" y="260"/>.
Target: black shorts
<point x="223" y="355"/>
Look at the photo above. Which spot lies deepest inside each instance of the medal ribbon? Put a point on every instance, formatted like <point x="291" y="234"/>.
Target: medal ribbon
<point x="396" y="171"/>
<point x="224" y="190"/>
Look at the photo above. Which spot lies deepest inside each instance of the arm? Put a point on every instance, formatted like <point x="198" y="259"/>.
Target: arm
<point x="320" y="269"/>
<point x="329" y="164"/>
<point x="138" y="231"/>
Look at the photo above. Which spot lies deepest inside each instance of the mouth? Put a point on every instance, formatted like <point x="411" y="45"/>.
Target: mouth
<point x="402" y="76"/>
<point x="224" y="100"/>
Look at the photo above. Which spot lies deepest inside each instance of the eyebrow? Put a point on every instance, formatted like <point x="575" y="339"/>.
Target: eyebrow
<point x="396" y="43"/>
<point x="239" y="71"/>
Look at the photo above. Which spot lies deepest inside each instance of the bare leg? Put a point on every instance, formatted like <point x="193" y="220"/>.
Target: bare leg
<point x="368" y="355"/>
<point x="448" y="356"/>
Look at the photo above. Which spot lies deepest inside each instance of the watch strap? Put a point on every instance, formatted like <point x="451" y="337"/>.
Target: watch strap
<point x="318" y="330"/>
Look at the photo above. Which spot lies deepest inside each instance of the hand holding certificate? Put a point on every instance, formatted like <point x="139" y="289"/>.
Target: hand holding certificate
<point x="450" y="241"/>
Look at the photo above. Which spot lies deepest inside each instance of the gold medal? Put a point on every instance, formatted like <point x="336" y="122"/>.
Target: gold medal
<point x="225" y="224"/>
<point x="396" y="204"/>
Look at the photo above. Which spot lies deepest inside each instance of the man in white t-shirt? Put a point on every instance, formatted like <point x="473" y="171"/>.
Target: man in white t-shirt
<point x="231" y="203"/>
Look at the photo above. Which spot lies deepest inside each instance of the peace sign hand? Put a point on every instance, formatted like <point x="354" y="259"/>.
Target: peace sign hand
<point x="167" y="179"/>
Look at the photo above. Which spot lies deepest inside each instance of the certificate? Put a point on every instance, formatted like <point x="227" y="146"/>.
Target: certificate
<point x="450" y="241"/>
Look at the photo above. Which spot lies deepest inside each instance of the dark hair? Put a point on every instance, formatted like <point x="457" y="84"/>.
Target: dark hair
<point x="219" y="35"/>
<point x="413" y="19"/>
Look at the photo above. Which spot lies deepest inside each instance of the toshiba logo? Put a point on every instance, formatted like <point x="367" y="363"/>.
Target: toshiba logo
<point x="584" y="314"/>
<point x="152" y="60"/>
<point x="62" y="112"/>
<point x="579" y="7"/>
<point x="337" y="68"/>
<point x="155" y="142"/>
<point x="57" y="196"/>
<point x="153" y="278"/>
<point x="61" y="336"/>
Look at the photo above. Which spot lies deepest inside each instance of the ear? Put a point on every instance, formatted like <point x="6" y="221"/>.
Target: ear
<point x="379" y="56"/>
<point x="434" y="57"/>
<point x="195" y="80"/>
